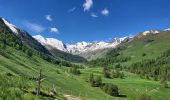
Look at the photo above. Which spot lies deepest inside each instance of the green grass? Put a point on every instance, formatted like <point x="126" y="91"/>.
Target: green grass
<point x="133" y="86"/>
<point x="20" y="65"/>
<point x="152" y="49"/>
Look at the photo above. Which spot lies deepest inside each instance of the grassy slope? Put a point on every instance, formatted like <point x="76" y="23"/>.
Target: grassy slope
<point x="19" y="64"/>
<point x="133" y="86"/>
<point x="66" y="56"/>
<point x="95" y="54"/>
<point x="152" y="49"/>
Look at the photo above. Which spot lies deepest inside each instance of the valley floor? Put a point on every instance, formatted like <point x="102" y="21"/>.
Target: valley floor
<point x="133" y="86"/>
<point x="16" y="69"/>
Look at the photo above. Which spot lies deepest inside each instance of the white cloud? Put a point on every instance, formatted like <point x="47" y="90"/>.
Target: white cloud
<point x="105" y="12"/>
<point x="34" y="27"/>
<point x="48" y="17"/>
<point x="87" y="5"/>
<point x="54" y="30"/>
<point x="94" y="15"/>
<point x="72" y="9"/>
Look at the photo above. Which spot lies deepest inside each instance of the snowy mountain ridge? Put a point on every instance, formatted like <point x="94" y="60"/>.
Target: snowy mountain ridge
<point x="11" y="26"/>
<point x="79" y="47"/>
<point x="51" y="42"/>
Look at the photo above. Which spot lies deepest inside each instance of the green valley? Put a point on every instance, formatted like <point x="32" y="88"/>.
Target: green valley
<point x="130" y="68"/>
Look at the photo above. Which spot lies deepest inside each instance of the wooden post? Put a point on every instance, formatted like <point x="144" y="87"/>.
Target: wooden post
<point x="39" y="82"/>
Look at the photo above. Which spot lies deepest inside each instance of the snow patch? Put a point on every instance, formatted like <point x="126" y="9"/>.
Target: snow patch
<point x="150" y="32"/>
<point x="167" y="29"/>
<point x="11" y="26"/>
<point x="51" y="42"/>
<point x="79" y="47"/>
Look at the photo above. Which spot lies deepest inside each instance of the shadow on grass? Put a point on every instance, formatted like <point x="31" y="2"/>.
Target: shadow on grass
<point x="43" y="94"/>
<point x="122" y="96"/>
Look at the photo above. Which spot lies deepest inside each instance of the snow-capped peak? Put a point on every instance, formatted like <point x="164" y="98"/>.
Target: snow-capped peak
<point x="82" y="47"/>
<point x="11" y="26"/>
<point x="51" y="42"/>
<point x="168" y="29"/>
<point x="79" y="47"/>
<point x="150" y="32"/>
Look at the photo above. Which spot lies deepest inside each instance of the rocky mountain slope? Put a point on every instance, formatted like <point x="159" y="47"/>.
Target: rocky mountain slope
<point x="24" y="37"/>
<point x="27" y="39"/>
<point x="145" y="45"/>
<point x="84" y="49"/>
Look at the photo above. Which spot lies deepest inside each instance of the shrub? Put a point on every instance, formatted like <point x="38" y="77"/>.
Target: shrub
<point x="114" y="74"/>
<point x="106" y="72"/>
<point x="165" y="84"/>
<point x="144" y="54"/>
<point x="91" y="79"/>
<point x="75" y="71"/>
<point x="98" y="81"/>
<point x="110" y="89"/>
<point x="95" y="81"/>
<point x="29" y="52"/>
<point x="145" y="97"/>
<point x="117" y="74"/>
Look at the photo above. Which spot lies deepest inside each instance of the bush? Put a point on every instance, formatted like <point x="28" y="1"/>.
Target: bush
<point x="117" y="74"/>
<point x="144" y="54"/>
<point x="95" y="81"/>
<point x="75" y="71"/>
<point x="98" y="81"/>
<point x="110" y="89"/>
<point x="122" y="75"/>
<point x="106" y="72"/>
<point x="114" y="74"/>
<point x="165" y="85"/>
<point x="29" y="52"/>
<point x="91" y="79"/>
<point x="145" y="97"/>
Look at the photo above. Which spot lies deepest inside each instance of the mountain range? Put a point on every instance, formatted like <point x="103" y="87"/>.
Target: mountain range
<point x="80" y="50"/>
<point x="53" y="46"/>
<point x="23" y="56"/>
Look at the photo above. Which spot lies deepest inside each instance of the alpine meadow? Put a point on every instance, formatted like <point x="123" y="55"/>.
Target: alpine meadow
<point x="84" y="50"/>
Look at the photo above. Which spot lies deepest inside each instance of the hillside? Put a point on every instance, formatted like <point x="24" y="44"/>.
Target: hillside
<point x="66" y="56"/>
<point x="26" y="39"/>
<point x="84" y="50"/>
<point x="147" y="57"/>
<point x="23" y="68"/>
<point x="22" y="36"/>
<point x="147" y="47"/>
<point x="20" y="63"/>
<point x="88" y="50"/>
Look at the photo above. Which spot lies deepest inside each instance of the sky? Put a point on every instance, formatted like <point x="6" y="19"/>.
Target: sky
<point x="73" y="21"/>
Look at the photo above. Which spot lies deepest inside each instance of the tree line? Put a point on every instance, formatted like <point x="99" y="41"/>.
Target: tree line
<point x="8" y="39"/>
<point x="96" y="81"/>
<point x="156" y="69"/>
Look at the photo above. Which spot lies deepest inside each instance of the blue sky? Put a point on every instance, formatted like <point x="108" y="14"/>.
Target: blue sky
<point x="86" y="20"/>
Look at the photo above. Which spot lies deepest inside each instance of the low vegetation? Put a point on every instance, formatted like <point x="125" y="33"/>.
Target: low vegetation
<point x="117" y="75"/>
<point x="156" y="69"/>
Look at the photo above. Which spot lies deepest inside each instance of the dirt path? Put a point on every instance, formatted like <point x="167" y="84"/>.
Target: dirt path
<point x="70" y="97"/>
